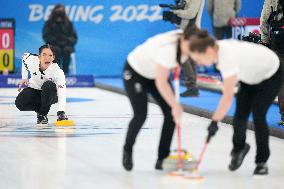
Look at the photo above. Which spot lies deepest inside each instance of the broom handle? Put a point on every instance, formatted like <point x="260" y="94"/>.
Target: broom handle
<point x="180" y="164"/>
<point x="201" y="154"/>
<point x="176" y="83"/>
<point x="176" y="90"/>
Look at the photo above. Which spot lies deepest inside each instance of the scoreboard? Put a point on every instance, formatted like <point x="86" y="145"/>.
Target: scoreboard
<point x="7" y="49"/>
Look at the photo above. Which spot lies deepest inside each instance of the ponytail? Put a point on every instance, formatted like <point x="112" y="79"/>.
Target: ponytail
<point x="200" y="41"/>
<point x="190" y="30"/>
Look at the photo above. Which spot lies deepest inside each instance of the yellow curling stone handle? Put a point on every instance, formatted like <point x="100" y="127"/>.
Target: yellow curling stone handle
<point x="64" y="123"/>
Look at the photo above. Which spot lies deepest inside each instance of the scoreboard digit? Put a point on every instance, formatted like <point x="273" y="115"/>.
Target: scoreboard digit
<point x="7" y="32"/>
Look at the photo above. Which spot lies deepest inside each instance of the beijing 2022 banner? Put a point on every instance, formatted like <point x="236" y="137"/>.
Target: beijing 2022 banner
<point x="107" y="29"/>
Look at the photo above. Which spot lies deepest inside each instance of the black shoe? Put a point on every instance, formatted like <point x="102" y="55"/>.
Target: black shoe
<point x="238" y="157"/>
<point x="190" y="93"/>
<point x="261" y="170"/>
<point x="42" y="119"/>
<point x="127" y="160"/>
<point x="159" y="165"/>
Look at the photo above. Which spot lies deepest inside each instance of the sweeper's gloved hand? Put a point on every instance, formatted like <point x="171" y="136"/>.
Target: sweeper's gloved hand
<point x="61" y="116"/>
<point x="212" y="129"/>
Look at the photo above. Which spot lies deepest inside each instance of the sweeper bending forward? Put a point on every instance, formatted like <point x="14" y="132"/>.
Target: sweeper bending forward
<point x="147" y="70"/>
<point x="257" y="68"/>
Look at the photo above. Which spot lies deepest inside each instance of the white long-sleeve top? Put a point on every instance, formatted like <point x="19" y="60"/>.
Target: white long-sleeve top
<point x="251" y="63"/>
<point x="30" y="64"/>
<point x="160" y="49"/>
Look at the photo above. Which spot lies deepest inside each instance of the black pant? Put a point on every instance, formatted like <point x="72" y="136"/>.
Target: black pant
<point x="222" y="32"/>
<point x="277" y="44"/>
<point x="189" y="72"/>
<point x="62" y="56"/>
<point x="255" y="99"/>
<point x="137" y="88"/>
<point x="40" y="101"/>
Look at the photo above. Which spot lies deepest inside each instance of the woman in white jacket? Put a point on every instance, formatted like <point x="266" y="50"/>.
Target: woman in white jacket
<point x="45" y="86"/>
<point x="257" y="69"/>
<point x="147" y="71"/>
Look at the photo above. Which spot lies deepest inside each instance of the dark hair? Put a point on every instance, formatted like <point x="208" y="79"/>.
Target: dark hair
<point x="46" y="46"/>
<point x="200" y="41"/>
<point x="190" y="30"/>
